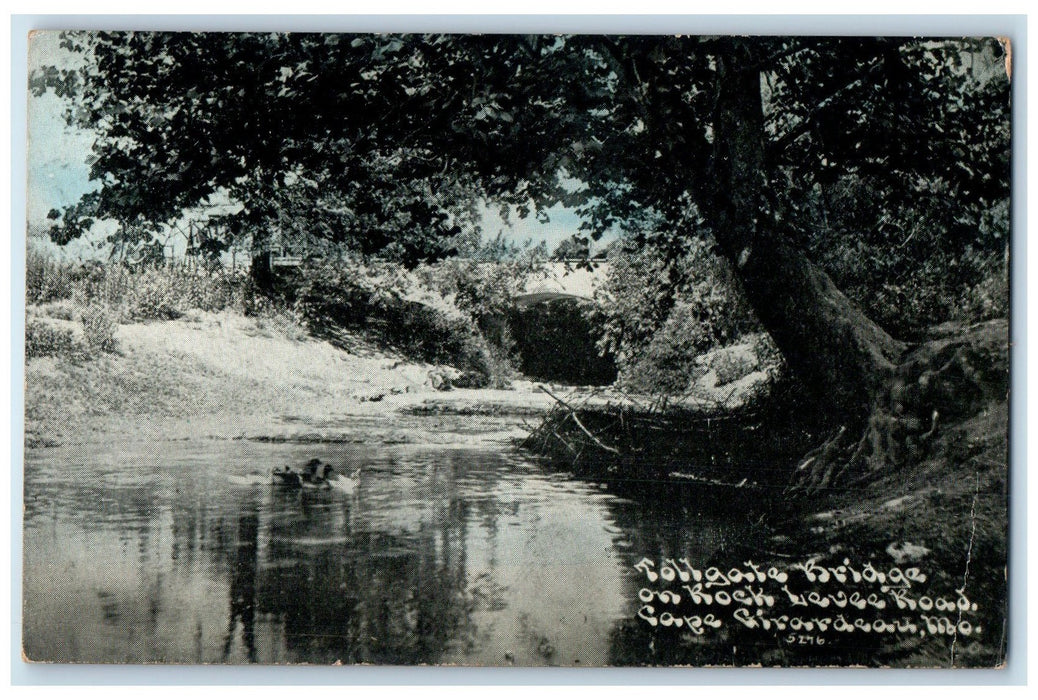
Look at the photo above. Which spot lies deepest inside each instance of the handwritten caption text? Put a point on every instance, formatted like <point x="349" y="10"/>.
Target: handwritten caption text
<point x="805" y="603"/>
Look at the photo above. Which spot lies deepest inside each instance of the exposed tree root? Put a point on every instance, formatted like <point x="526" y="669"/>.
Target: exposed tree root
<point x="955" y="374"/>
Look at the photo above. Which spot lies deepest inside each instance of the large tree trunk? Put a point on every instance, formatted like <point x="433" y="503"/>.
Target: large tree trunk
<point x="890" y="406"/>
<point x="841" y="356"/>
<point x="846" y="362"/>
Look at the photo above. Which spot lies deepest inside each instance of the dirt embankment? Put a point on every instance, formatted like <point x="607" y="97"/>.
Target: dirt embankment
<point x="227" y="376"/>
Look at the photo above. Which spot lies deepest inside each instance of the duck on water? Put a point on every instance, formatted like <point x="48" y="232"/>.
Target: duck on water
<point x="316" y="474"/>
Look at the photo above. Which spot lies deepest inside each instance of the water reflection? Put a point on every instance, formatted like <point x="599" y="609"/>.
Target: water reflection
<point x="243" y="583"/>
<point x="476" y="557"/>
<point x="340" y="589"/>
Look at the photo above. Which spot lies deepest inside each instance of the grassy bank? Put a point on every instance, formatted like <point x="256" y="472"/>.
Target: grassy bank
<point x="329" y="354"/>
<point x="420" y="316"/>
<point x="171" y="352"/>
<point x="225" y="375"/>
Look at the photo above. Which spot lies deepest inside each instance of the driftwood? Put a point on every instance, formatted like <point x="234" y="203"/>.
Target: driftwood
<point x="668" y="440"/>
<point x="576" y="419"/>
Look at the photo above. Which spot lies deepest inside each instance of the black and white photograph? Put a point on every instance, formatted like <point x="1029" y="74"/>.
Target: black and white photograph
<point x="516" y="350"/>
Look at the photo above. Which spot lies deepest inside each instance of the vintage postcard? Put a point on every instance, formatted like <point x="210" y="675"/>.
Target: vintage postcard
<point x="500" y="350"/>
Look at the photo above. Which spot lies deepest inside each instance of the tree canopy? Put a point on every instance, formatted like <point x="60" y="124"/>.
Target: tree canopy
<point x="390" y="139"/>
<point x="360" y="123"/>
<point x="880" y="157"/>
<point x="377" y="140"/>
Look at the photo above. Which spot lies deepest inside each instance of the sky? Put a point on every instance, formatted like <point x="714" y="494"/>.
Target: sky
<point x="58" y="173"/>
<point x="57" y="153"/>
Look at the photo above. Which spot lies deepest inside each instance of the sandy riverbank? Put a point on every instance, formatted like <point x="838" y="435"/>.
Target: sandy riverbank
<point x="226" y="376"/>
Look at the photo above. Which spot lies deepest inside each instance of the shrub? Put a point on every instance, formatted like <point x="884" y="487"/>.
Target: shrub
<point x="481" y="289"/>
<point x="635" y="301"/>
<point x="989" y="298"/>
<point x="926" y="272"/>
<point x="99" y="329"/>
<point x="43" y="339"/>
<point x="160" y="293"/>
<point x="64" y="310"/>
<point x="165" y="293"/>
<point x="154" y="295"/>
<point x="500" y="363"/>
<point x="46" y="279"/>
<point x="661" y="313"/>
<point x="107" y="285"/>
<point x="332" y="296"/>
<point x="486" y="290"/>
<point x="735" y="362"/>
<point x="389" y="302"/>
<point x="252" y="301"/>
<point x="433" y="332"/>
<point x="667" y="363"/>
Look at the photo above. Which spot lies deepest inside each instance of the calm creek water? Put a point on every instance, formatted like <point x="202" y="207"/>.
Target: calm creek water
<point x="182" y="552"/>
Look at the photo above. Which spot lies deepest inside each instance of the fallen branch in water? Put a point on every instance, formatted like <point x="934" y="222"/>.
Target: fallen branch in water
<point x="744" y="484"/>
<point x="592" y="436"/>
<point x="751" y="447"/>
<point x="576" y="419"/>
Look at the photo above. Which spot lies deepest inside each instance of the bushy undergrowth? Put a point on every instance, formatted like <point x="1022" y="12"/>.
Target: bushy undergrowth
<point x="435" y="315"/>
<point x="667" y="362"/>
<point x="456" y="312"/>
<point x="481" y="289"/>
<point x="487" y="292"/>
<point x="395" y="305"/>
<point x="44" y="340"/>
<point x="989" y="298"/>
<point x="160" y="293"/>
<point x="47" y="279"/>
<point x="100" y="296"/>
<point x="660" y="314"/>
<point x="99" y="329"/>
<point x="135" y="294"/>
<point x="910" y="286"/>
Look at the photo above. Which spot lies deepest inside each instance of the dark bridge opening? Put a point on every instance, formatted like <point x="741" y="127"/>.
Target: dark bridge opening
<point x="556" y="342"/>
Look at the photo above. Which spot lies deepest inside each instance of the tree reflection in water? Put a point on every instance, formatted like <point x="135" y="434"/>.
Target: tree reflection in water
<point x="440" y="556"/>
<point x="344" y="591"/>
<point x="243" y="582"/>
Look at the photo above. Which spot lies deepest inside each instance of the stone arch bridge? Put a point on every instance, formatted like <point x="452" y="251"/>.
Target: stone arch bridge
<point x="563" y="280"/>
